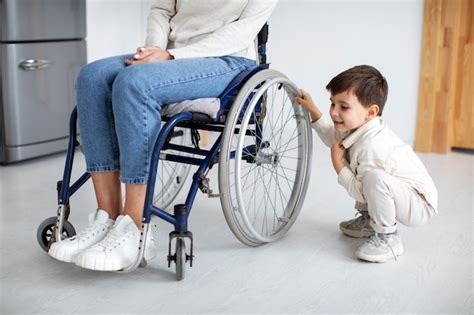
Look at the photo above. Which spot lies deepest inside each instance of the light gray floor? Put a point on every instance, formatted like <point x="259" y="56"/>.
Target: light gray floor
<point x="311" y="270"/>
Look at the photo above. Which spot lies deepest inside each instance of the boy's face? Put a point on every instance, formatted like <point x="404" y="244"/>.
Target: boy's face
<point x="347" y="113"/>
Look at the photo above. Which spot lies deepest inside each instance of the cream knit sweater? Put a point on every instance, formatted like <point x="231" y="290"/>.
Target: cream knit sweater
<point x="207" y="28"/>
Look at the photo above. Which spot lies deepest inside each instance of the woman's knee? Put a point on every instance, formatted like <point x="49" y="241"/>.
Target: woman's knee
<point x="89" y="74"/>
<point x="99" y="72"/>
<point x="128" y="87"/>
<point x="84" y="78"/>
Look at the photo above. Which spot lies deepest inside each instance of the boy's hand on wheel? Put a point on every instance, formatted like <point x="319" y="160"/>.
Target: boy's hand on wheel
<point x="307" y="102"/>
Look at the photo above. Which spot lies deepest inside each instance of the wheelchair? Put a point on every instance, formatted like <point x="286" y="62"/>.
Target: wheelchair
<point x="263" y="150"/>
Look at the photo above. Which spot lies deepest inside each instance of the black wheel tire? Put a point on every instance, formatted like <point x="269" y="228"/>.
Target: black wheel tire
<point x="180" y="259"/>
<point x="45" y="232"/>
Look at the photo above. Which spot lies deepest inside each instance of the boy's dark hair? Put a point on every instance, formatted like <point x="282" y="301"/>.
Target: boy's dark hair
<point x="366" y="82"/>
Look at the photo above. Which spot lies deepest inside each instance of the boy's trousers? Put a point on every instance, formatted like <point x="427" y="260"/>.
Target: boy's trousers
<point x="390" y="200"/>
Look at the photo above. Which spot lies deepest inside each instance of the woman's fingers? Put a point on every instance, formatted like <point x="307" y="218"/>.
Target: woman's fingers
<point x="149" y="54"/>
<point x="138" y="51"/>
<point x="143" y="53"/>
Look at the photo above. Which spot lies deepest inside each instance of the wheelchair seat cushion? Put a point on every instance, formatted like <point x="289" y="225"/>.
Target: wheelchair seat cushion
<point x="208" y="106"/>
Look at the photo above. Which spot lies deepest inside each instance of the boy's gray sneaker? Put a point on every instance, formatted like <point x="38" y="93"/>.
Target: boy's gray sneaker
<point x="380" y="248"/>
<point x="358" y="227"/>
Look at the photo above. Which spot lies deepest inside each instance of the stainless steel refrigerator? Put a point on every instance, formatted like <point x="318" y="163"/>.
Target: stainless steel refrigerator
<point x="42" y="48"/>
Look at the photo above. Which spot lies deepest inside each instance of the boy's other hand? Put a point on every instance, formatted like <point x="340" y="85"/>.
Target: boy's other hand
<point x="307" y="102"/>
<point x="337" y="155"/>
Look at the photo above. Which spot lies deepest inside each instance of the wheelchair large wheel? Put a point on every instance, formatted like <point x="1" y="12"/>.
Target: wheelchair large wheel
<point x="265" y="159"/>
<point x="170" y="175"/>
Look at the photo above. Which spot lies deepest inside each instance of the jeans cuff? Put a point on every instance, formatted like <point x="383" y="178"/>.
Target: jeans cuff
<point x="102" y="169"/>
<point x="134" y="180"/>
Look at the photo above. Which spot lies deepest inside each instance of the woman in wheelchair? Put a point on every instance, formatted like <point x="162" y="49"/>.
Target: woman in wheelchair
<point x="193" y="50"/>
<point x="139" y="117"/>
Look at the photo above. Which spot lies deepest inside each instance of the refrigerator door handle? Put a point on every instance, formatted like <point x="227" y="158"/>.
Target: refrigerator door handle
<point x="34" y="64"/>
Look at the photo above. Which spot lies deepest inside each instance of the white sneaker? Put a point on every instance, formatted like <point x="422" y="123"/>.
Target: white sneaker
<point x="380" y="248"/>
<point x="118" y="249"/>
<point x="67" y="249"/>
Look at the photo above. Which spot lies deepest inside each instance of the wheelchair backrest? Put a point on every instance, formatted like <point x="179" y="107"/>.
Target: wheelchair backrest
<point x="262" y="39"/>
<point x="229" y="94"/>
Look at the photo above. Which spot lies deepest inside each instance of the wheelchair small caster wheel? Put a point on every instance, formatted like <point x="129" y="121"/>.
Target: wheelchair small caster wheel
<point x="45" y="232"/>
<point x="180" y="259"/>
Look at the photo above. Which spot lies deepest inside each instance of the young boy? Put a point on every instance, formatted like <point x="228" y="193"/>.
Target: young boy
<point x="378" y="170"/>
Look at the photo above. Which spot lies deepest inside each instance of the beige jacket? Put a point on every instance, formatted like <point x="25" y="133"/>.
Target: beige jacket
<point x="374" y="146"/>
<point x="207" y="28"/>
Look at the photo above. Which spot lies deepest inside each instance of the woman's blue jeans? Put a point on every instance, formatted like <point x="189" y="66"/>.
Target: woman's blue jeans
<point x="119" y="106"/>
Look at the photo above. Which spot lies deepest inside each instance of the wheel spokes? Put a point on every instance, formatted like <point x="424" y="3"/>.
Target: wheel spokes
<point x="264" y="188"/>
<point x="276" y="138"/>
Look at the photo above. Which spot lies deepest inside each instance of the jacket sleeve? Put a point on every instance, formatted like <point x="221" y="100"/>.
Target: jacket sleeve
<point x="158" y="24"/>
<point x="352" y="182"/>
<point x="233" y="37"/>
<point x="326" y="131"/>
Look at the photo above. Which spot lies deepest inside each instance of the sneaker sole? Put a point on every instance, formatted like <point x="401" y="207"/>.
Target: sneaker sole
<point x="354" y="233"/>
<point x="61" y="255"/>
<point x="111" y="265"/>
<point x="98" y="264"/>
<point x="378" y="258"/>
<point x="103" y="265"/>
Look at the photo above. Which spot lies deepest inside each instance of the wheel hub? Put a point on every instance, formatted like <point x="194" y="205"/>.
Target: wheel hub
<point x="272" y="158"/>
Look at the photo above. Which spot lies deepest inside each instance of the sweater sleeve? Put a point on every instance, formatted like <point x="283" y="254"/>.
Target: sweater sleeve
<point x="233" y="37"/>
<point x="326" y="131"/>
<point x="350" y="182"/>
<point x="158" y="24"/>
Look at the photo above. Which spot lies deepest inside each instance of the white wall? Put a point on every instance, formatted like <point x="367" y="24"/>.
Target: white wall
<point x="115" y="27"/>
<point x="310" y="41"/>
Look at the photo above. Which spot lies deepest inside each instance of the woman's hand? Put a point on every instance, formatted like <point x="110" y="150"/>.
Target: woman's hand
<point x="337" y="155"/>
<point x="307" y="102"/>
<point x="149" y="54"/>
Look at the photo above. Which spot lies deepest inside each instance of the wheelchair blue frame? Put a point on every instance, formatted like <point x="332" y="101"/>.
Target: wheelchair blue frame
<point x="185" y="119"/>
<point x="56" y="228"/>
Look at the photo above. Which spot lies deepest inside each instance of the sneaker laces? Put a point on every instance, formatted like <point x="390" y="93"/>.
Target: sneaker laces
<point x="380" y="239"/>
<point x="114" y="238"/>
<point x="111" y="239"/>
<point x="91" y="229"/>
